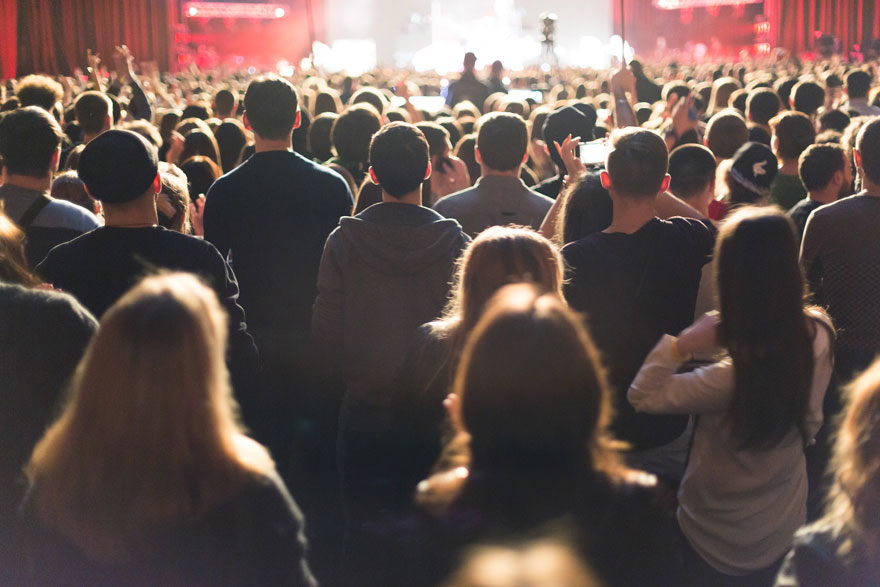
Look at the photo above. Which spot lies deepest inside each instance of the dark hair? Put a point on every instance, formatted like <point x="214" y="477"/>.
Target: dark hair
<point x="225" y="102"/>
<point x="300" y="139"/>
<point x="68" y="186"/>
<point x="200" y="111"/>
<point x="637" y="162"/>
<point x="868" y="146"/>
<point x="168" y="124"/>
<point x="762" y="105"/>
<point x="464" y="150"/>
<point x="371" y="96"/>
<point x="692" y="169"/>
<point x="320" y="130"/>
<point x="72" y="161"/>
<point x="327" y="101"/>
<point x="39" y="90"/>
<point x="738" y="100"/>
<point x="726" y="133"/>
<point x="92" y="111"/>
<point x="783" y="87"/>
<point x="829" y="137"/>
<point x="199" y="142"/>
<point x="586" y="208"/>
<point x="201" y="172"/>
<point x="794" y="132"/>
<point x="270" y="105"/>
<point x="453" y="127"/>
<point x="763" y="326"/>
<point x="818" y="164"/>
<point x="502" y="140"/>
<point x="808" y="97"/>
<point x="29" y="138"/>
<point x="399" y="158"/>
<point x="437" y="137"/>
<point x="145" y="129"/>
<point x="858" y="83"/>
<point x="675" y="87"/>
<point x="352" y="131"/>
<point x="836" y="120"/>
<point x="231" y="139"/>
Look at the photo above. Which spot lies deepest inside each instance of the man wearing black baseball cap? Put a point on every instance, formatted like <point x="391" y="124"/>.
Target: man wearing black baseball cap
<point x="120" y="168"/>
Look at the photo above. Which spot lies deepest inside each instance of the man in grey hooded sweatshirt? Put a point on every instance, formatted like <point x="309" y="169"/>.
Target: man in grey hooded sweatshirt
<point x="384" y="273"/>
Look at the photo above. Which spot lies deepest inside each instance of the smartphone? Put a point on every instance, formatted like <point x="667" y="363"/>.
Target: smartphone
<point x="593" y="153"/>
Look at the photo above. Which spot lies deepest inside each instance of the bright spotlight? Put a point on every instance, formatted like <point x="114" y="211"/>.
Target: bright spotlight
<point x="279" y="12"/>
<point x="193" y="11"/>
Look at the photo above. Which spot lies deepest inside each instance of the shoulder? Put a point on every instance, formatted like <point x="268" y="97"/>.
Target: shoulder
<point x="63" y="214"/>
<point x="582" y="247"/>
<point x="538" y="197"/>
<point x="454" y="200"/>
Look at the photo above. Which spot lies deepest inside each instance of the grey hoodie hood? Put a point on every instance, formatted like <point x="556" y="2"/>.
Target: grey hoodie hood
<point x="401" y="239"/>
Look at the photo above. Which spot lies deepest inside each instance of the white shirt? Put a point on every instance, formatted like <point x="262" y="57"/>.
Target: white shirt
<point x="738" y="509"/>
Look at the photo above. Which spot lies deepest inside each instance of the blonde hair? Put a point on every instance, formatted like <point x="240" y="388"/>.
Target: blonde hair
<point x="854" y="500"/>
<point x="149" y="436"/>
<point x="13" y="263"/>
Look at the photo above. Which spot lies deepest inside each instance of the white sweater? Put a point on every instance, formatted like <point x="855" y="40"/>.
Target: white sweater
<point x="738" y="509"/>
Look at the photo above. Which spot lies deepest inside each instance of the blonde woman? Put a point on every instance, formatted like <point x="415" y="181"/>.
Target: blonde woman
<point x="147" y="478"/>
<point x="843" y="548"/>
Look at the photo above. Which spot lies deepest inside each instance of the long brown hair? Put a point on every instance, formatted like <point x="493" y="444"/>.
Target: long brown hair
<point x="854" y="500"/>
<point x="532" y="394"/>
<point x="764" y="326"/>
<point x="149" y="436"/>
<point x="13" y="263"/>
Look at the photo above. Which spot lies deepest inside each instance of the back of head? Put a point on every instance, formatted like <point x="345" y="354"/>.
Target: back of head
<point x="808" y="97"/>
<point x="399" y="158"/>
<point x="726" y="133"/>
<point x="225" y="102"/>
<point x="563" y="122"/>
<point x="327" y="101"/>
<point x="29" y="138"/>
<point x="270" y="105"/>
<point x="172" y="205"/>
<point x="199" y="142"/>
<point x="93" y="111"/>
<point x="858" y="83"/>
<point x="118" y="166"/>
<point x="637" y="162"/>
<point x="453" y="129"/>
<point x="761" y="292"/>
<point x="836" y="120"/>
<point x="68" y="186"/>
<point x="587" y="208"/>
<point x="172" y="434"/>
<point x="868" y="146"/>
<point x="722" y="88"/>
<point x="532" y="391"/>
<point x="39" y="90"/>
<point x="437" y="137"/>
<point x="793" y="132"/>
<point x="677" y="88"/>
<point x="502" y="140"/>
<point x="465" y="150"/>
<point x="370" y="96"/>
<point x="499" y="256"/>
<point x="200" y="110"/>
<point x="762" y="105"/>
<point x="692" y="169"/>
<point x="231" y="139"/>
<point x="752" y="170"/>
<point x="320" y="142"/>
<point x="201" y="172"/>
<point x="818" y="164"/>
<point x="352" y="132"/>
<point x="783" y="87"/>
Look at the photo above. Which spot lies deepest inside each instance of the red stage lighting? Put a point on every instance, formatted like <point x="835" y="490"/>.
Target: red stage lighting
<point x="234" y="10"/>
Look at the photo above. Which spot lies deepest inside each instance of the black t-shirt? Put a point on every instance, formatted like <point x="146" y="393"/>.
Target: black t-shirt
<point x="801" y="212"/>
<point x="272" y="216"/>
<point x="100" y="266"/>
<point x="634" y="288"/>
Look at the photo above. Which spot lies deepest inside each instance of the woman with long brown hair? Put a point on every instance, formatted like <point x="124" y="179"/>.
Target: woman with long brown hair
<point x="146" y="478"/>
<point x="843" y="548"/>
<point x="744" y="492"/>
<point x="532" y="410"/>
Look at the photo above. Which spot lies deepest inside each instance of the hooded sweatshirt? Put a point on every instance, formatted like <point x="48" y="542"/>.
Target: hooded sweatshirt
<point x="384" y="273"/>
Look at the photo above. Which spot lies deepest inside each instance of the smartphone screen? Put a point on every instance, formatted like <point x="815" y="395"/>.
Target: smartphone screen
<point x="593" y="153"/>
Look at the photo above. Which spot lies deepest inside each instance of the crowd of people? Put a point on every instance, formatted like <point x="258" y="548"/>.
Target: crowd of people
<point x="571" y="328"/>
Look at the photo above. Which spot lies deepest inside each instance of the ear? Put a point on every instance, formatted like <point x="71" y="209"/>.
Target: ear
<point x="245" y="122"/>
<point x="53" y="163"/>
<point x="108" y="122"/>
<point x="428" y="171"/>
<point x="157" y="183"/>
<point x="605" y="179"/>
<point x="837" y="178"/>
<point x="477" y="155"/>
<point x="774" y="143"/>
<point x="298" y="120"/>
<point x="373" y="177"/>
<point x="525" y="157"/>
<point x="665" y="185"/>
<point x="858" y="158"/>
<point x="452" y="403"/>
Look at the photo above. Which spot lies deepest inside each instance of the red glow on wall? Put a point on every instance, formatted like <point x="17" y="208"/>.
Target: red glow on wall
<point x="234" y="10"/>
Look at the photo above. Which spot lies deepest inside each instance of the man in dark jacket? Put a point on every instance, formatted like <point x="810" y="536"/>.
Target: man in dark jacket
<point x="384" y="273"/>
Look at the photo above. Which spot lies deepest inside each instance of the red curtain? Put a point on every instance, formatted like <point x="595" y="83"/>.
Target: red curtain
<point x="8" y="38"/>
<point x="794" y="22"/>
<point x="54" y="36"/>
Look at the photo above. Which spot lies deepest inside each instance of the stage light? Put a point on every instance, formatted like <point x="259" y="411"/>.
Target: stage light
<point x="192" y="12"/>
<point x="279" y="12"/>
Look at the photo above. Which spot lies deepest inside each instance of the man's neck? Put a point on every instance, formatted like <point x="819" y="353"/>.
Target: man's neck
<point x="869" y="188"/>
<point x="487" y="171"/>
<point x="133" y="215"/>
<point x="630" y="214"/>
<point x="788" y="166"/>
<point x="826" y="196"/>
<point x="38" y="184"/>
<point x="89" y="138"/>
<point x="413" y="198"/>
<point x="262" y="145"/>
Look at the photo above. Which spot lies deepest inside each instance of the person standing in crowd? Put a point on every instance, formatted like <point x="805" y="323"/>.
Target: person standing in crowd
<point x="841" y="258"/>
<point x="120" y="169"/>
<point x="692" y="176"/>
<point x="496" y="78"/>
<point x="858" y="85"/>
<point x="468" y="87"/>
<point x="793" y="132"/>
<point x="30" y="145"/>
<point x="94" y="114"/>
<point x="826" y="174"/>
<point x="744" y="493"/>
<point x="499" y="197"/>
<point x="191" y="499"/>
<point x="637" y="280"/>
<point x="567" y="121"/>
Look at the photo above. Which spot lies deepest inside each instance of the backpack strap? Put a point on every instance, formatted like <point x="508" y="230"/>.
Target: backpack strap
<point x="24" y="223"/>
